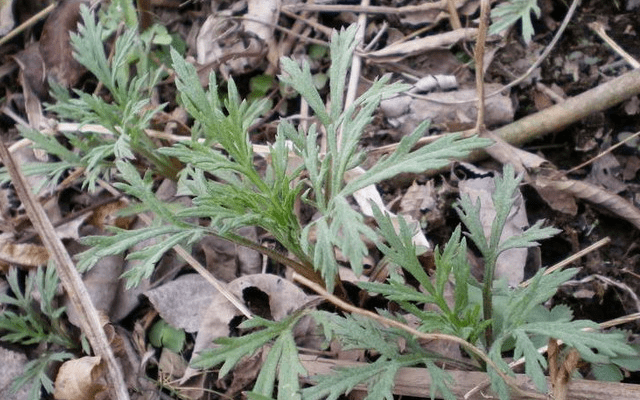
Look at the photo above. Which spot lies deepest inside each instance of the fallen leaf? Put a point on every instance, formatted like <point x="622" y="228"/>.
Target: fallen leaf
<point x="367" y="195"/>
<point x="171" y="365"/>
<point x="12" y="365"/>
<point x="454" y="107"/>
<point x="227" y="260"/>
<point x="7" y="20"/>
<point x="605" y="171"/>
<point x="80" y="379"/>
<point x="55" y="43"/>
<point x="596" y="195"/>
<point x="26" y="254"/>
<point x="398" y="51"/>
<point x="183" y="301"/>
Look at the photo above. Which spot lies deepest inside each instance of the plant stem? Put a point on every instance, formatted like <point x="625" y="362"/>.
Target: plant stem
<point x="487" y="298"/>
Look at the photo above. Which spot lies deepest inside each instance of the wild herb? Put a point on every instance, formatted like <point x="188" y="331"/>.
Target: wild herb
<point x="217" y="169"/>
<point x="23" y="321"/>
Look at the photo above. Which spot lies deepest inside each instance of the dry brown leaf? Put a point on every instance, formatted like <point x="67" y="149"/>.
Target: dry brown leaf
<point x="107" y="214"/>
<point x="32" y="71"/>
<point x="556" y="199"/>
<point x="398" y="51"/>
<point x="81" y="379"/>
<point x="631" y="167"/>
<point x="596" y="195"/>
<point x="245" y="373"/>
<point x="226" y="260"/>
<point x="26" y="254"/>
<point x="55" y="44"/>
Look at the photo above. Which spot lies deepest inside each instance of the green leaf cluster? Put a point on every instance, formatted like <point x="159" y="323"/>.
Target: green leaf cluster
<point x="125" y="114"/>
<point x="230" y="192"/>
<point x="35" y="373"/>
<point x="24" y="322"/>
<point x="451" y="301"/>
<point x="281" y="363"/>
<point x="509" y="12"/>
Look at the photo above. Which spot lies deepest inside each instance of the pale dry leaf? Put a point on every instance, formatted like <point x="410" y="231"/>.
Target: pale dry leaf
<point x="226" y="42"/>
<point x="80" y="379"/>
<point x="605" y="171"/>
<point x="437" y="13"/>
<point x="435" y="82"/>
<point x="70" y="229"/>
<point x="406" y="112"/>
<point x="632" y="106"/>
<point x="12" y="365"/>
<point x="398" y="51"/>
<point x="511" y="263"/>
<point x="171" y="364"/>
<point x="183" y="301"/>
<point x="418" y="199"/>
<point x="7" y="20"/>
<point x="367" y="195"/>
<point x="261" y="20"/>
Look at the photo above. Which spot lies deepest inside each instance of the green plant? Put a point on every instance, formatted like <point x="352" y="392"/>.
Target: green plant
<point x="510" y="11"/>
<point x="240" y="195"/>
<point x="229" y="192"/>
<point x="32" y="325"/>
<point x="21" y="321"/>
<point x="125" y="115"/>
<point x="162" y="334"/>
<point x="517" y="320"/>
